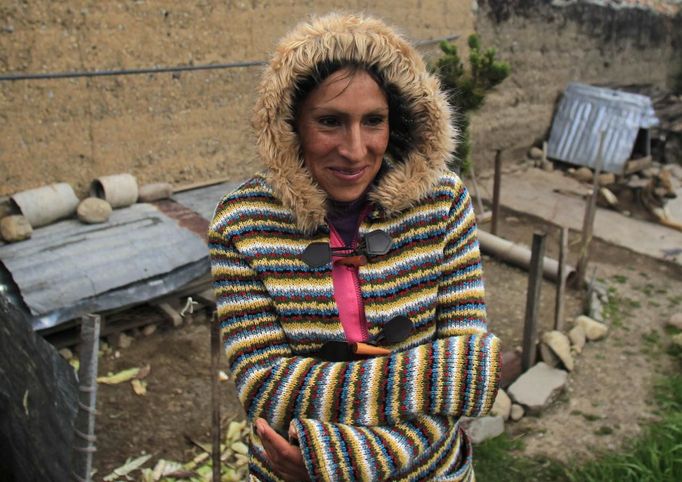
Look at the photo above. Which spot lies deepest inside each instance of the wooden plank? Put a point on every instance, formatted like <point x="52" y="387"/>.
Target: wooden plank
<point x="170" y="313"/>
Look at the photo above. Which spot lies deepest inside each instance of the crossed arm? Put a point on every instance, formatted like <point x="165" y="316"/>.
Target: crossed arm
<point x="359" y="405"/>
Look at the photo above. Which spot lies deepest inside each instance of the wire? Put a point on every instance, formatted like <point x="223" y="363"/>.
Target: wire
<point x="161" y="70"/>
<point x="109" y="73"/>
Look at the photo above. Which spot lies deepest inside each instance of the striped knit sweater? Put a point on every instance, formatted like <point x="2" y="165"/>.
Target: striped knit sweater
<point x="393" y="417"/>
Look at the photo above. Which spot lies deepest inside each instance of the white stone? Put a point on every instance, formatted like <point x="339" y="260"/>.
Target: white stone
<point x="15" y="228"/>
<point x="577" y="337"/>
<point x="502" y="405"/>
<point x="583" y="174"/>
<point x="535" y="153"/>
<point x="561" y="346"/>
<point x="538" y="387"/>
<point x="93" y="210"/>
<point x="548" y="356"/>
<point x="676" y="321"/>
<point x="149" y="329"/>
<point x="483" y="428"/>
<point x="593" y="329"/>
<point x="124" y="341"/>
<point x="517" y="412"/>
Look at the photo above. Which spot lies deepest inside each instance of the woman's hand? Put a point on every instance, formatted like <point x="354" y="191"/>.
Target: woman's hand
<point x="286" y="459"/>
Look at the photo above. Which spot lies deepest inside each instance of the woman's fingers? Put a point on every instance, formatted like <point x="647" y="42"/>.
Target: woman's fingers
<point x="284" y="457"/>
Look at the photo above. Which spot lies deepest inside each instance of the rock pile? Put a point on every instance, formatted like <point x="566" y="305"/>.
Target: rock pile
<point x="537" y="388"/>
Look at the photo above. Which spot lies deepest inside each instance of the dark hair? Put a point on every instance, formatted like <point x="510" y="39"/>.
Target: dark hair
<point x="400" y="138"/>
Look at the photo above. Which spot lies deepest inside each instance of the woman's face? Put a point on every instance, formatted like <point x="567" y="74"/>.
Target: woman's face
<point x="343" y="128"/>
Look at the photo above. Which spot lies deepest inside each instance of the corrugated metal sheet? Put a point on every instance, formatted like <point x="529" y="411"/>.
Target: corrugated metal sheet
<point x="205" y="199"/>
<point x="69" y="268"/>
<point x="586" y="111"/>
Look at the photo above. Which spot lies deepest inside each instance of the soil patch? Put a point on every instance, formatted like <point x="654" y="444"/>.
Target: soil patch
<point x="607" y="400"/>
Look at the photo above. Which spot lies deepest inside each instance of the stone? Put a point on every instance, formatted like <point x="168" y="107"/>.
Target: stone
<point x="149" y="330"/>
<point x="538" y="387"/>
<point x="561" y="346"/>
<point x="66" y="354"/>
<point x="483" y="428"/>
<point x="548" y="356"/>
<point x="502" y="405"/>
<point x="93" y="210"/>
<point x="583" y="174"/>
<point x="593" y="329"/>
<point x="15" y="228"/>
<point x="606" y="178"/>
<point x="154" y="192"/>
<point x="596" y="308"/>
<point x="511" y="367"/>
<point x="675" y="321"/>
<point x="547" y="165"/>
<point x="124" y="341"/>
<point x="517" y="412"/>
<point x="535" y="153"/>
<point x="578" y="338"/>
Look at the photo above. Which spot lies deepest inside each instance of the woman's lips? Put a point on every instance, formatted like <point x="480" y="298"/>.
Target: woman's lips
<point x="348" y="175"/>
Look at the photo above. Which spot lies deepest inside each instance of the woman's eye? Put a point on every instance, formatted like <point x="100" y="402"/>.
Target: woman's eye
<point x="375" y="120"/>
<point x="328" y="121"/>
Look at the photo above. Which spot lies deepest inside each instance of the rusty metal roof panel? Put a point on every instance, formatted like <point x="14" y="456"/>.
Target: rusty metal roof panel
<point x="69" y="268"/>
<point x="586" y="111"/>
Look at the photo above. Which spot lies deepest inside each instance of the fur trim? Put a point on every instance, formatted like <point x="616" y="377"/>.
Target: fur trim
<point x="365" y="40"/>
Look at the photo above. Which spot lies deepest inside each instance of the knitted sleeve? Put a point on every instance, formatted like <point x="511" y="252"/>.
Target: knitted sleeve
<point x="333" y="451"/>
<point x="454" y="375"/>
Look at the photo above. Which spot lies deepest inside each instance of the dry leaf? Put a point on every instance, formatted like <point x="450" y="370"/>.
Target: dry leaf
<point x="144" y="371"/>
<point x="127" y="468"/>
<point x="120" y="377"/>
<point x="139" y="386"/>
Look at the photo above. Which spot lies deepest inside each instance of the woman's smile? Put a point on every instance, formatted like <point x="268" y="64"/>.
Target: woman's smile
<point x="343" y="129"/>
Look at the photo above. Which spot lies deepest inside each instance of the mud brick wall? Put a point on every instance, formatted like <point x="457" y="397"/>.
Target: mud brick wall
<point x="181" y="128"/>
<point x="551" y="43"/>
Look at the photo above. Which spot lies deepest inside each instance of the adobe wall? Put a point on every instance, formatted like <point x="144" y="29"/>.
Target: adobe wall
<point x="551" y="43"/>
<point x="181" y="128"/>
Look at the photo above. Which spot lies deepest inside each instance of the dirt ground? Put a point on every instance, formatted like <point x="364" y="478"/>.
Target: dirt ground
<point x="607" y="398"/>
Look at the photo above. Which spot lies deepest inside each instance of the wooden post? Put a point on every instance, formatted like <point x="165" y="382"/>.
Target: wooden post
<point x="496" y="192"/>
<point x="215" y="397"/>
<point x="588" y="220"/>
<point x="530" y="327"/>
<point x="561" y="282"/>
<point x="84" y="425"/>
<point x="477" y="196"/>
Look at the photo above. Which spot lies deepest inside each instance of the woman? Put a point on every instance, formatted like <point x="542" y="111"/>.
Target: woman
<point x="348" y="275"/>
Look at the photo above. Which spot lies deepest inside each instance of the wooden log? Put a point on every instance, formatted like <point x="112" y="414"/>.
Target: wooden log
<point x="530" y="327"/>
<point x="171" y="313"/>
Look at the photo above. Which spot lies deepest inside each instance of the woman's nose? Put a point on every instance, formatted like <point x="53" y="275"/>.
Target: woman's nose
<point x="353" y="144"/>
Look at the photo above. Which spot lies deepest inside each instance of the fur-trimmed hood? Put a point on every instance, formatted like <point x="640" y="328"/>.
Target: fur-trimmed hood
<point x="367" y="41"/>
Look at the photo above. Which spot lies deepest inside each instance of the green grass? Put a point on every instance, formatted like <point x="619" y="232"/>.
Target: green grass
<point x="656" y="456"/>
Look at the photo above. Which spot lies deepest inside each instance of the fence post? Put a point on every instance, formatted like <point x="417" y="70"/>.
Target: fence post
<point x="215" y="397"/>
<point x="84" y="426"/>
<point x="530" y="330"/>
